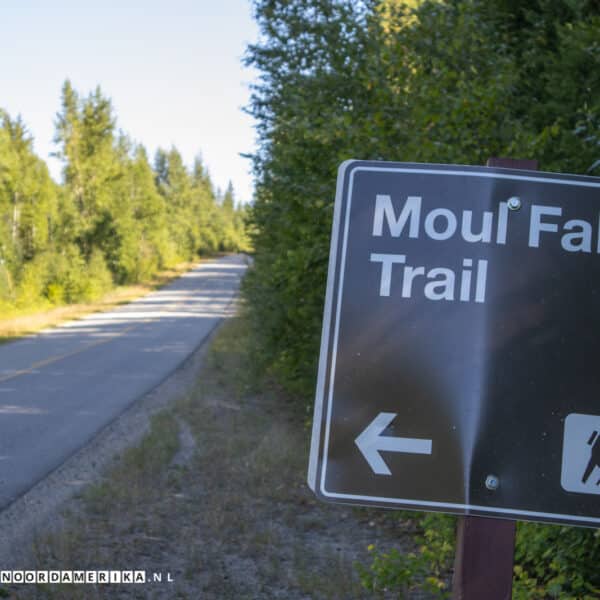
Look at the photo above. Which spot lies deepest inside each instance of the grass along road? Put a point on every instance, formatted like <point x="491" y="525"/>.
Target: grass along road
<point x="215" y="496"/>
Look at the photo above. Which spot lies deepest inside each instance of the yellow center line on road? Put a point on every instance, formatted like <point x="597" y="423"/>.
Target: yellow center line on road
<point x="53" y="359"/>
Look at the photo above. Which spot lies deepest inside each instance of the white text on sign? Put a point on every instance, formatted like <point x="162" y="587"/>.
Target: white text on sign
<point x="468" y="282"/>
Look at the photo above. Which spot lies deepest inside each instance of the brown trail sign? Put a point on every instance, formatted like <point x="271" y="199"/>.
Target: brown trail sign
<point x="460" y="340"/>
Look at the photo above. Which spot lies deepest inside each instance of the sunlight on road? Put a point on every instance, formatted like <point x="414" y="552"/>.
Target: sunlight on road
<point x="7" y="409"/>
<point x="66" y="383"/>
<point x="181" y="300"/>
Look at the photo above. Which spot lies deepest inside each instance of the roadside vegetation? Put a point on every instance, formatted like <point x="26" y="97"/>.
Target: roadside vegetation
<point x="114" y="220"/>
<point x="454" y="81"/>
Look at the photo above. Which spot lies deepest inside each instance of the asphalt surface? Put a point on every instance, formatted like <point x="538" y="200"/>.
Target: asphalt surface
<point x="62" y="386"/>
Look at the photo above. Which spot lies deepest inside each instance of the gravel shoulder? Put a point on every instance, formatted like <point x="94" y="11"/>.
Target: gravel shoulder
<point x="43" y="504"/>
<point x="202" y="482"/>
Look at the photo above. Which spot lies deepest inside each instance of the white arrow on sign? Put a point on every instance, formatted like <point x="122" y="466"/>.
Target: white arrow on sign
<point x="370" y="443"/>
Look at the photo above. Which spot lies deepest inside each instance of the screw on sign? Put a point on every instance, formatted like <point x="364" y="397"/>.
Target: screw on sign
<point x="514" y="203"/>
<point x="454" y="374"/>
<point x="492" y="482"/>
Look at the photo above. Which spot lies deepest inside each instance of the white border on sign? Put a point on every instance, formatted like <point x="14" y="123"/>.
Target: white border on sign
<point x="313" y="460"/>
<point x="320" y="395"/>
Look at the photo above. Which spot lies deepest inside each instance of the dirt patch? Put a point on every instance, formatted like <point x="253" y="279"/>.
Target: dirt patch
<point x="214" y="498"/>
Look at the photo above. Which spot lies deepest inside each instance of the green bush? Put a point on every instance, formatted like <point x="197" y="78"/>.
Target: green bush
<point x="55" y="293"/>
<point x="73" y="274"/>
<point x="59" y="277"/>
<point x="551" y="561"/>
<point x="33" y="281"/>
<point x="99" y="278"/>
<point x="556" y="562"/>
<point x="427" y="569"/>
<point x="6" y="287"/>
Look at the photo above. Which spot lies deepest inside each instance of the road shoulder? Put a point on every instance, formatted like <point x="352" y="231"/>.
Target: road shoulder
<point x="44" y="503"/>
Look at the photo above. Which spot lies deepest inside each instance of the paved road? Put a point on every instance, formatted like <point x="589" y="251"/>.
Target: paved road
<point x="59" y="388"/>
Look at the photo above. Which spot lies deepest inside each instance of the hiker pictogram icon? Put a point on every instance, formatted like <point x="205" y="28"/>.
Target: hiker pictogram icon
<point x="594" y="442"/>
<point x="581" y="454"/>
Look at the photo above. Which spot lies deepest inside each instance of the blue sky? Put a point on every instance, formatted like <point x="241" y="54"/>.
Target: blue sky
<point x="172" y="70"/>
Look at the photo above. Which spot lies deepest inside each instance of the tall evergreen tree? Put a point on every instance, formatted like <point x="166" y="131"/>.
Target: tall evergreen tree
<point x="28" y="204"/>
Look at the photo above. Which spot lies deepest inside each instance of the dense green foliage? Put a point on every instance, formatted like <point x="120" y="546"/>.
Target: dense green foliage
<point x="426" y="569"/>
<point x="453" y="81"/>
<point x="551" y="561"/>
<point x="115" y="219"/>
<point x="447" y="82"/>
